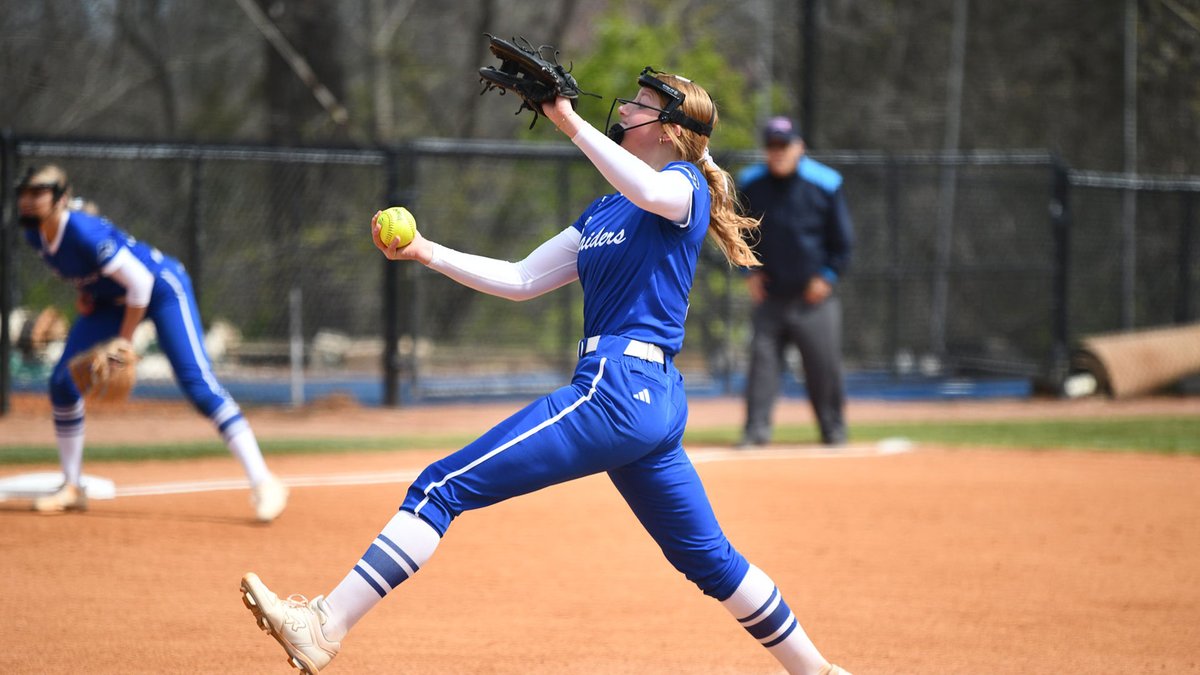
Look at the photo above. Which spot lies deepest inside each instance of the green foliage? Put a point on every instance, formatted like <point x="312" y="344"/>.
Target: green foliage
<point x="623" y="47"/>
<point x="49" y="292"/>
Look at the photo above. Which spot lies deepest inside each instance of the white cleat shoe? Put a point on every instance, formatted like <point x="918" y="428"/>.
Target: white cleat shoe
<point x="269" y="498"/>
<point x="830" y="669"/>
<point x="68" y="498"/>
<point x="295" y="624"/>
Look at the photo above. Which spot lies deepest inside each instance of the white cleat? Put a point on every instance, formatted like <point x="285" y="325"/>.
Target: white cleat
<point x="68" y="498"/>
<point x="269" y="498"/>
<point x="830" y="669"/>
<point x="295" y="624"/>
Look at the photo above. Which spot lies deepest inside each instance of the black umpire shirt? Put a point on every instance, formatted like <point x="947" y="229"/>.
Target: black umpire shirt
<point x="806" y="228"/>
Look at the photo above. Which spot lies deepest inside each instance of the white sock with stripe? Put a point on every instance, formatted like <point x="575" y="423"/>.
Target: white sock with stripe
<point x="68" y="434"/>
<point x="243" y="445"/>
<point x="405" y="544"/>
<point x="759" y="607"/>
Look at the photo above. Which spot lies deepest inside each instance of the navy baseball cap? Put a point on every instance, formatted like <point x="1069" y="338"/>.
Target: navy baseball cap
<point x="780" y="130"/>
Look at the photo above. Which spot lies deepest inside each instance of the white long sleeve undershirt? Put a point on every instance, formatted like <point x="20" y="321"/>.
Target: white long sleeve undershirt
<point x="553" y="264"/>
<point x="127" y="270"/>
<point x="550" y="266"/>
<point x="663" y="193"/>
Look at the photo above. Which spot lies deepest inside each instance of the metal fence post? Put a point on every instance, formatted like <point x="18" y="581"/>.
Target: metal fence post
<point x="296" y="344"/>
<point x="399" y="282"/>
<point x="728" y="357"/>
<point x="411" y="289"/>
<point x="808" y="72"/>
<point x="565" y="296"/>
<point x="1187" y="239"/>
<point x="891" y="216"/>
<point x="6" y="266"/>
<point x="391" y="300"/>
<point x="195" y="236"/>
<point x="1060" y="220"/>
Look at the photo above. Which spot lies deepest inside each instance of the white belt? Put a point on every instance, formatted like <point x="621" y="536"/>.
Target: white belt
<point x="636" y="348"/>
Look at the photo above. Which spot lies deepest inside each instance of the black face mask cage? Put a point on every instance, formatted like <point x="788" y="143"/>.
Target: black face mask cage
<point x="59" y="189"/>
<point x="672" y="113"/>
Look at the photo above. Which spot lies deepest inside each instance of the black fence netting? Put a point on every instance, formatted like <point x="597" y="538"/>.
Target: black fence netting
<point x="969" y="265"/>
<point x="1142" y="271"/>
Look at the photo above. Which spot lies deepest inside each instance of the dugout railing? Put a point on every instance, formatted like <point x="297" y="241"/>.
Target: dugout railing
<point x="968" y="267"/>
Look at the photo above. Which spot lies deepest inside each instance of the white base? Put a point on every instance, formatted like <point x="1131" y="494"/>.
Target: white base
<point x="33" y="485"/>
<point x="1080" y="385"/>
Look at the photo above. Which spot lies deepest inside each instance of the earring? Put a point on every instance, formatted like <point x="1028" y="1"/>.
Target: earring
<point x="662" y="140"/>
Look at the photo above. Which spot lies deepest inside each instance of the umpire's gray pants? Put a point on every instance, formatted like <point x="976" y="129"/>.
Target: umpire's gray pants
<point x="817" y="331"/>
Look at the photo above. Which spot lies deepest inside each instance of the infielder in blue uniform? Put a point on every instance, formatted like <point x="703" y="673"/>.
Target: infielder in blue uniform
<point x="122" y="281"/>
<point x="634" y="252"/>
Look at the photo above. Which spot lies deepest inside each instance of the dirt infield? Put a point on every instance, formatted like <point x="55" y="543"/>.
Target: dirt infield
<point x="935" y="560"/>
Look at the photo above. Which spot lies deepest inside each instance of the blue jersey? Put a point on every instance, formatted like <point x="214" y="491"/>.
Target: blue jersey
<point x="87" y="245"/>
<point x="86" y="250"/>
<point x="637" y="268"/>
<point x="624" y="411"/>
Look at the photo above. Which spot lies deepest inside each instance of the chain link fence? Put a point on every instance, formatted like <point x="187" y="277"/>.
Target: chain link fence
<point x="971" y="266"/>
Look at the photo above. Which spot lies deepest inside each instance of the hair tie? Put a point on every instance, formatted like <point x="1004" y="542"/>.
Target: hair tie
<point x="706" y="157"/>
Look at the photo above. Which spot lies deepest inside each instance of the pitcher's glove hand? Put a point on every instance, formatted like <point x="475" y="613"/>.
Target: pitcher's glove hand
<point x="533" y="77"/>
<point x="106" y="372"/>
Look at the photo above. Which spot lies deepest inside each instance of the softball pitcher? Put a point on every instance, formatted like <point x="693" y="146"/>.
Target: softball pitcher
<point x="634" y="252"/>
<point x="121" y="281"/>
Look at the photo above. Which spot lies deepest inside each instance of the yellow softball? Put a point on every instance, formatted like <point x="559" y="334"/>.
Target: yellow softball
<point x="397" y="223"/>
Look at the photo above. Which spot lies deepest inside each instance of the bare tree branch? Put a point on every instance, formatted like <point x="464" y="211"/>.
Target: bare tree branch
<point x="470" y="118"/>
<point x="381" y="41"/>
<point x="337" y="112"/>
<point x="130" y="22"/>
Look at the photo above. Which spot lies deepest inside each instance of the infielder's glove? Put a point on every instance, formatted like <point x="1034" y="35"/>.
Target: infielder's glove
<point x="106" y="372"/>
<point x="533" y="77"/>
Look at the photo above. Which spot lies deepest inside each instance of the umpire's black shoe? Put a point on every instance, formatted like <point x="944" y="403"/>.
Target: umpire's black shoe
<point x="834" y="438"/>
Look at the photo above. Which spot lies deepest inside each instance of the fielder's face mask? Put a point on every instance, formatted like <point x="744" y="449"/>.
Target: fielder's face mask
<point x="26" y="186"/>
<point x="672" y="113"/>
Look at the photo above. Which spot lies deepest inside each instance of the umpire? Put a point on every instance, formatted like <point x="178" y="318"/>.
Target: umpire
<point x="804" y="244"/>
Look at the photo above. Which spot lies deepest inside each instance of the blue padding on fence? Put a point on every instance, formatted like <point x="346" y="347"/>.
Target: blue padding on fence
<point x="368" y="390"/>
<point x="888" y="386"/>
<point x="925" y="388"/>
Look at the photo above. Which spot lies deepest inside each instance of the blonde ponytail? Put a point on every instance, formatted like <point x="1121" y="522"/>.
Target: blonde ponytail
<point x="727" y="227"/>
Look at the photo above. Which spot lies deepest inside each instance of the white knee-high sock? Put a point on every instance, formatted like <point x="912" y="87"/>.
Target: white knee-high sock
<point x="243" y="445"/>
<point x="68" y="433"/>
<point x="759" y="608"/>
<point x="396" y="554"/>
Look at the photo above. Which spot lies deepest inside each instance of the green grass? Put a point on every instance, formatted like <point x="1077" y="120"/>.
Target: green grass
<point x="1165" y="435"/>
<point x="1162" y="435"/>
<point x="40" y="454"/>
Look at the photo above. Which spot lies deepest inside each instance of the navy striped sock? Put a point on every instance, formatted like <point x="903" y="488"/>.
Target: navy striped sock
<point x="396" y="553"/>
<point x="385" y="565"/>
<point x="68" y="433"/>
<point x="772" y="622"/>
